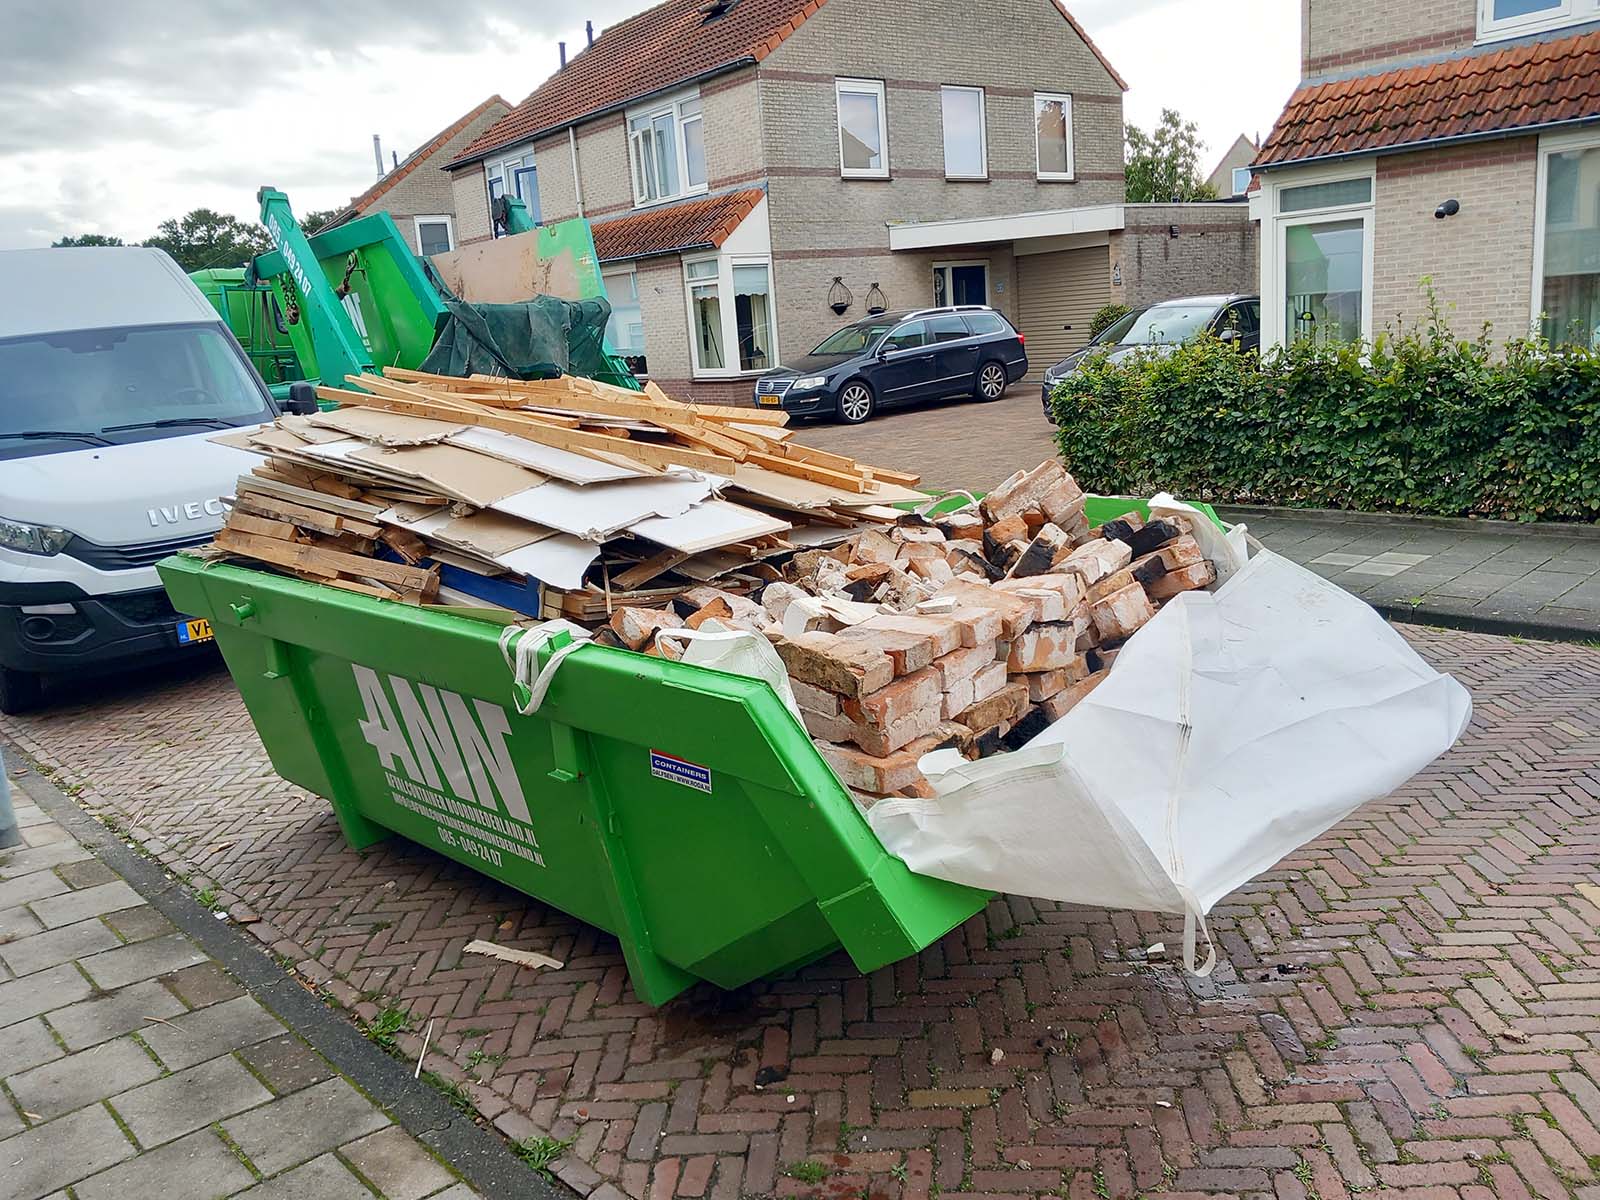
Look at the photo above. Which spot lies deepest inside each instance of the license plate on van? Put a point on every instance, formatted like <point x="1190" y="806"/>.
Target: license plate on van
<point x="198" y="630"/>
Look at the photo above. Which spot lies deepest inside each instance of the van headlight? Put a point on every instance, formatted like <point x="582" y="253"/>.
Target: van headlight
<point x="807" y="382"/>
<point x="33" y="539"/>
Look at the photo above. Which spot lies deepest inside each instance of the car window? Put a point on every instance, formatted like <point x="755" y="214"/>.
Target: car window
<point x="984" y="323"/>
<point x="1252" y="315"/>
<point x="1113" y="333"/>
<point x="948" y="328"/>
<point x="1169" y="323"/>
<point x="1232" y="318"/>
<point x="853" y="339"/>
<point x="908" y="336"/>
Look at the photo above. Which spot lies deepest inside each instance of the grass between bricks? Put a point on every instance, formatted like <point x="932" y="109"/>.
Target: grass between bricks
<point x="540" y="1153"/>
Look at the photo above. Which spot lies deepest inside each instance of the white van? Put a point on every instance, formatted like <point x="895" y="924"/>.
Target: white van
<point x="114" y="372"/>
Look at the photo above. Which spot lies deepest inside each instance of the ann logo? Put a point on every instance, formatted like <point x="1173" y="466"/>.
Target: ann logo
<point x="437" y="742"/>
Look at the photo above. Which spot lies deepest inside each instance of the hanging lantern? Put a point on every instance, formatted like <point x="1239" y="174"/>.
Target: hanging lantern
<point x="839" y="297"/>
<point x="877" y="302"/>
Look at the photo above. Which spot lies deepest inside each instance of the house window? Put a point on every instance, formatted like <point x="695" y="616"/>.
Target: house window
<point x="863" y="129"/>
<point x="1052" y="115"/>
<point x="1567" y="261"/>
<point x="625" y="330"/>
<point x="1511" y="18"/>
<point x="966" y="150"/>
<point x="667" y="150"/>
<point x="1241" y="180"/>
<point x="435" y="235"/>
<point x="516" y="176"/>
<point x="1323" y="247"/>
<point x="732" y="326"/>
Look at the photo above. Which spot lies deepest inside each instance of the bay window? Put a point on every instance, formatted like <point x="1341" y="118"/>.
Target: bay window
<point x="863" y="128"/>
<point x="1052" y="136"/>
<point x="732" y="324"/>
<point x="1320" y="268"/>
<point x="667" y="150"/>
<point x="1567" y="242"/>
<point x="1499" y="19"/>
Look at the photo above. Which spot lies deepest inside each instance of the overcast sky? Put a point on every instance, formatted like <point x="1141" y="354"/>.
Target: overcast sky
<point x="114" y="116"/>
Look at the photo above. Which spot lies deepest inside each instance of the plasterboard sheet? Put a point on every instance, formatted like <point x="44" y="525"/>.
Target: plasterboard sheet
<point x="559" y="561"/>
<point x="486" y="533"/>
<point x="453" y="470"/>
<point x="547" y="460"/>
<point x="385" y="428"/>
<point x="598" y="510"/>
<point x="707" y="526"/>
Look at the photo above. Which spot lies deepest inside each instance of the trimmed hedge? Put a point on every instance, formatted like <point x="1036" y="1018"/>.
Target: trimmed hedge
<point x="1420" y="422"/>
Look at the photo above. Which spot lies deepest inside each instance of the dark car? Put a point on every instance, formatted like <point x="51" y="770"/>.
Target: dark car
<point x="1159" y="327"/>
<point x="900" y="358"/>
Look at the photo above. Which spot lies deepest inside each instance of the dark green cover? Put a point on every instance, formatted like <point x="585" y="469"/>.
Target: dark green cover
<point x="538" y="339"/>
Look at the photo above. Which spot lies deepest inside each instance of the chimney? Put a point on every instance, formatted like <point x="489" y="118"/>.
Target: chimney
<point x="394" y="157"/>
<point x="588" y="28"/>
<point x="377" y="154"/>
<point x="563" y="46"/>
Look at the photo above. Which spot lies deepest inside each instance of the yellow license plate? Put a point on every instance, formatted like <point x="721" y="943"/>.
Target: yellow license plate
<point x="198" y="630"/>
<point x="773" y="400"/>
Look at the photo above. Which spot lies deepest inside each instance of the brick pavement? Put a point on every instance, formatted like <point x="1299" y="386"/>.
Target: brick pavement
<point x="133" y="1067"/>
<point x="1409" y="1008"/>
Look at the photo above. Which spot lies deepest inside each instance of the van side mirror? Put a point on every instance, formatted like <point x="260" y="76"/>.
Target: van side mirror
<point x="302" y="399"/>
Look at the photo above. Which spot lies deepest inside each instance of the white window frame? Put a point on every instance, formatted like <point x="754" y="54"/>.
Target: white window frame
<point x="449" y="228"/>
<point x="1274" y="274"/>
<point x="863" y="87"/>
<point x="730" y="319"/>
<point x="1550" y="144"/>
<point x="1071" y="173"/>
<point x="1566" y="12"/>
<point x="672" y="107"/>
<point x="946" y="264"/>
<point x="504" y="172"/>
<point x="983" y="131"/>
<point x="1233" y="181"/>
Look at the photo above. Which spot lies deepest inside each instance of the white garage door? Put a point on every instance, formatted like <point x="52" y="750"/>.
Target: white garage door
<point x="1057" y="296"/>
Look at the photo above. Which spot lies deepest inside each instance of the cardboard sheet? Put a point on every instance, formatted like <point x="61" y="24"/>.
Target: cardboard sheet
<point x="452" y="471"/>
<point x="559" y="561"/>
<point x="547" y="460"/>
<point x="384" y="428"/>
<point x="599" y="510"/>
<point x="707" y="526"/>
<point x="305" y="429"/>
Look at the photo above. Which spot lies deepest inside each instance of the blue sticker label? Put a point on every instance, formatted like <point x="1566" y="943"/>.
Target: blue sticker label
<point x="676" y="770"/>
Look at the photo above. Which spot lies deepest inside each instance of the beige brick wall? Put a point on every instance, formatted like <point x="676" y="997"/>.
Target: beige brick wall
<point x="666" y="317"/>
<point x="1343" y="36"/>
<point x="823" y="225"/>
<point x="471" y="202"/>
<point x="735" y="139"/>
<point x="1481" y="259"/>
<point x="1217" y="250"/>
<point x="428" y="190"/>
<point x="558" y="200"/>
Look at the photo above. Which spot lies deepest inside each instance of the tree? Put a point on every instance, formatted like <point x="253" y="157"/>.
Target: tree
<point x="1165" y="165"/>
<point x="206" y="238"/>
<point x="314" y="221"/>
<point x="88" y="239"/>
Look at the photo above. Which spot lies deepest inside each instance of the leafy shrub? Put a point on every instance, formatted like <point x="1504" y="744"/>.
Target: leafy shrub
<point x="1416" y="422"/>
<point x="1104" y="316"/>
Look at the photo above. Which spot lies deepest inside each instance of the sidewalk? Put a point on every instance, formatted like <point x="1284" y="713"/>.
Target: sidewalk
<point x="134" y="1066"/>
<point x="1486" y="576"/>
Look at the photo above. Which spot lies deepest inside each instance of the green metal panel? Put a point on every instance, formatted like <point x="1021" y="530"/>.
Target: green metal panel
<point x="738" y="856"/>
<point x="247" y="307"/>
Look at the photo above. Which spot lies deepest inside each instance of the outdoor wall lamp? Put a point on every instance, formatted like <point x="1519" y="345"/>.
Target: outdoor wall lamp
<point x="1448" y="209"/>
<point x="839" y="297"/>
<point x="877" y="302"/>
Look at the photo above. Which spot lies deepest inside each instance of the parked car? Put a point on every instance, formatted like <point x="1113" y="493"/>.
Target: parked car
<point x="1159" y="327"/>
<point x="900" y="358"/>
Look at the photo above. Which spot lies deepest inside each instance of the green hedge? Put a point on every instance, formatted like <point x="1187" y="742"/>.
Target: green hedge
<point x="1420" y="422"/>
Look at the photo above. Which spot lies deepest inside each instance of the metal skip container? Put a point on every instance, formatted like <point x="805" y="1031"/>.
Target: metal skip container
<point x="683" y="810"/>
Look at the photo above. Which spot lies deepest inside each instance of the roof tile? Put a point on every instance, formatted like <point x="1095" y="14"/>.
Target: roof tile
<point x="706" y="222"/>
<point x="1517" y="87"/>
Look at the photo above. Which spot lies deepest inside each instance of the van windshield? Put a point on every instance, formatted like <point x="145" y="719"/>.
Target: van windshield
<point x="106" y="387"/>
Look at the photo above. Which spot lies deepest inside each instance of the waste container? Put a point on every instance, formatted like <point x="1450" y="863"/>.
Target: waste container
<point x="683" y="810"/>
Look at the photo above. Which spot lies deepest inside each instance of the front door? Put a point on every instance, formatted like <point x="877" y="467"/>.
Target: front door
<point x="961" y="283"/>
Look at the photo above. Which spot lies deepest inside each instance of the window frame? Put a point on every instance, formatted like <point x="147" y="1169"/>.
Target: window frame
<point x="1273" y="325"/>
<point x="874" y="87"/>
<point x="983" y="132"/>
<point x="1234" y="182"/>
<point x="727" y="302"/>
<point x="441" y="218"/>
<point x="949" y="265"/>
<point x="1549" y="145"/>
<point x="1040" y="174"/>
<point x="672" y="107"/>
<point x="1567" y="12"/>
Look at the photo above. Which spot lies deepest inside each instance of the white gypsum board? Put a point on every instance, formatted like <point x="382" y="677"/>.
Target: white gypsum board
<point x="558" y="561"/>
<point x="385" y="428"/>
<point x="707" y="526"/>
<point x="547" y="460"/>
<point x="598" y="510"/>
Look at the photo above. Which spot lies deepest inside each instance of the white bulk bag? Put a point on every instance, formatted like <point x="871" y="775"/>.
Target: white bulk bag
<point x="1237" y="726"/>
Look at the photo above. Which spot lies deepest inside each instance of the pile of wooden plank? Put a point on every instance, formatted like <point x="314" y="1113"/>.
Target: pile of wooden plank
<point x="560" y="497"/>
<point x="975" y="629"/>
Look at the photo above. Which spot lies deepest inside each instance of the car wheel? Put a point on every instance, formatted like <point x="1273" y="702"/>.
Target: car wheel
<point x="20" y="691"/>
<point x="991" y="382"/>
<point x="856" y="402"/>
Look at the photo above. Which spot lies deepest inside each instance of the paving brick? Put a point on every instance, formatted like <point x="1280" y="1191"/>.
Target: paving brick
<point x="88" y="873"/>
<point x="60" y="1152"/>
<point x="90" y="902"/>
<point x="55" y="946"/>
<point x="36" y="885"/>
<point x="299" y="1126"/>
<point x="191" y="1099"/>
<point x="397" y="1165"/>
<point x="138" y="923"/>
<point x="25" y="862"/>
<point x="202" y="984"/>
<point x="124" y="1010"/>
<point x="198" y="1165"/>
<point x="78" y="1079"/>
<point x="286" y="1063"/>
<point x="25" y="1045"/>
<point x="17" y="923"/>
<point x="142" y="960"/>
<point x="326" y="1178"/>
<point x="205" y="1033"/>
<point x="41" y="992"/>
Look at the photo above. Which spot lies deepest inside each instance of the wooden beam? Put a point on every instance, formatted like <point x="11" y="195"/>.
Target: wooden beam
<point x="805" y="470"/>
<point x="318" y="560"/>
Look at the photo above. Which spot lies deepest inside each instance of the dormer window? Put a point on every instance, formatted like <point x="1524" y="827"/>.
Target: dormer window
<point x="667" y="149"/>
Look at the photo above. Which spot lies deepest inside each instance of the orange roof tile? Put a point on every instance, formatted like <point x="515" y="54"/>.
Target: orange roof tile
<point x="693" y="225"/>
<point x="1519" y="87"/>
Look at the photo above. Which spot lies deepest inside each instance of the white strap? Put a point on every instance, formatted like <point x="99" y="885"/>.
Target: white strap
<point x="1194" y="916"/>
<point x="524" y="656"/>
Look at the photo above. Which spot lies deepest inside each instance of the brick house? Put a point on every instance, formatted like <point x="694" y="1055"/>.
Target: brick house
<point x="748" y="164"/>
<point x="416" y="193"/>
<point x="1457" y="140"/>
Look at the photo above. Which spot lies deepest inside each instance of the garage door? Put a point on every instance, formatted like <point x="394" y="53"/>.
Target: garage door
<point x="1057" y="290"/>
